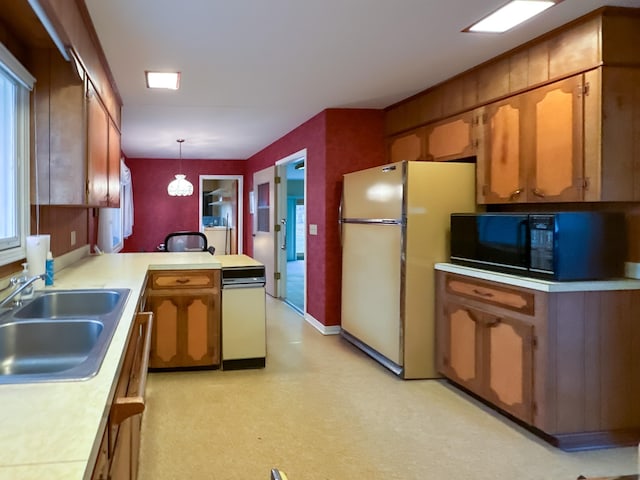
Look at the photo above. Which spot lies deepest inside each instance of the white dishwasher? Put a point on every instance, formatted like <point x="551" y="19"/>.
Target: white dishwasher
<point x="244" y="341"/>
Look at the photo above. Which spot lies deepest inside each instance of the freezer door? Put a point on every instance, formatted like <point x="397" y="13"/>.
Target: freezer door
<point x="371" y="268"/>
<point x="374" y="193"/>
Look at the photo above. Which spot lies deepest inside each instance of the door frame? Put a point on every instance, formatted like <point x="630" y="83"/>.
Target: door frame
<point x="281" y="212"/>
<point x="240" y="219"/>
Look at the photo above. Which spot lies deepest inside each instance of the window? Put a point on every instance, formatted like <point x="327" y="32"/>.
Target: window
<point x="15" y="83"/>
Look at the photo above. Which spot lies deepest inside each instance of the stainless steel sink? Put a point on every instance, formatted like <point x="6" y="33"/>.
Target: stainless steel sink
<point x="70" y="303"/>
<point x="59" y="335"/>
<point x="42" y="347"/>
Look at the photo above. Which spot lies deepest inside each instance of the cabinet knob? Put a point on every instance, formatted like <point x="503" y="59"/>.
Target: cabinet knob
<point x="515" y="194"/>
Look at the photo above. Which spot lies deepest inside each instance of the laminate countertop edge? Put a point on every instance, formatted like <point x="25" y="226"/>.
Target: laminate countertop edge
<point x="541" y="285"/>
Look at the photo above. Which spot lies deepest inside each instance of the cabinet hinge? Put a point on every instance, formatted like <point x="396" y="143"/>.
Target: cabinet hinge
<point x="277" y="180"/>
<point x="583" y="90"/>
<point x="534" y="408"/>
<point x="445" y="361"/>
<point x="276" y="275"/>
<point x="534" y="341"/>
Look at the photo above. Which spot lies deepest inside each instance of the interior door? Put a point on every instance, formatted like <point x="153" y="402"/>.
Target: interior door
<point x="264" y="235"/>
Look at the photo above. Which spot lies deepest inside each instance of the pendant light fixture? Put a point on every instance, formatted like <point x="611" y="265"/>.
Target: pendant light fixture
<point x="180" y="187"/>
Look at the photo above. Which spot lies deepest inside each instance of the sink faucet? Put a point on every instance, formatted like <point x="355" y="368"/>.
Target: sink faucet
<point x="21" y="286"/>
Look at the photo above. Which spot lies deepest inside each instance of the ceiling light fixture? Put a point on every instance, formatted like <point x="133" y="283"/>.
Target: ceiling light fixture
<point x="166" y="80"/>
<point x="180" y="187"/>
<point x="299" y="166"/>
<point x="510" y="15"/>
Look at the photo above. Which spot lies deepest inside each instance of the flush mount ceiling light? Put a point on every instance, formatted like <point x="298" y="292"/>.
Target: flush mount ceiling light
<point x="180" y="187"/>
<point x="510" y="15"/>
<point x="166" y="80"/>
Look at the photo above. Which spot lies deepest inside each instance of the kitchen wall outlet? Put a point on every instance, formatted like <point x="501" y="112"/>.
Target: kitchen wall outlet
<point x="73" y="237"/>
<point x="313" y="229"/>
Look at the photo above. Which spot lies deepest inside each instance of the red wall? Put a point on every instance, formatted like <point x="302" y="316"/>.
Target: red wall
<point x="337" y="141"/>
<point x="156" y="213"/>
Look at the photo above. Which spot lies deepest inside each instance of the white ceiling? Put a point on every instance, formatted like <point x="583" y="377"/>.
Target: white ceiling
<point x="253" y="70"/>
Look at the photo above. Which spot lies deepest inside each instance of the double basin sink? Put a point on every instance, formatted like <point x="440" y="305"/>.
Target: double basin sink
<point x="59" y="335"/>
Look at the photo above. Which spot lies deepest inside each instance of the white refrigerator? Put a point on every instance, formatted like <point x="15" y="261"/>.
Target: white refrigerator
<point x="394" y="227"/>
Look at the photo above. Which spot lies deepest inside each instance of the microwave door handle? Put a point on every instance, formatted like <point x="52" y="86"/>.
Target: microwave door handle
<point x="524" y="241"/>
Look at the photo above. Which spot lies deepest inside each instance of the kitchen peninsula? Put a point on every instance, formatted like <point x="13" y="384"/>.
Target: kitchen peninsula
<point x="54" y="430"/>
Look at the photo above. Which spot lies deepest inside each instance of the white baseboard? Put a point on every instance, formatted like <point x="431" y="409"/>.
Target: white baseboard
<point x="632" y="270"/>
<point x="323" y="329"/>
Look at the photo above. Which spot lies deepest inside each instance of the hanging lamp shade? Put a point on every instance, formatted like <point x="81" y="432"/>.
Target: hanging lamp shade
<point x="180" y="186"/>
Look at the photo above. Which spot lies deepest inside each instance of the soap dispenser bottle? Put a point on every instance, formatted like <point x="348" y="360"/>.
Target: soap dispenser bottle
<point x="48" y="280"/>
<point x="22" y="279"/>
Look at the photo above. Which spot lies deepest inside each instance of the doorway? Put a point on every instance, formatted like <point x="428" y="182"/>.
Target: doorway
<point x="220" y="212"/>
<point x="291" y="207"/>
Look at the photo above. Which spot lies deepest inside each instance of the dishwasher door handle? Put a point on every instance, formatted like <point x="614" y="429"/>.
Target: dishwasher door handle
<point x="243" y="285"/>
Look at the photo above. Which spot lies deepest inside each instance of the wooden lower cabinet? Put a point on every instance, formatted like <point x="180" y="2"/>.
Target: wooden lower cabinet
<point x="186" y="308"/>
<point x="565" y="364"/>
<point x="119" y="450"/>
<point x="491" y="356"/>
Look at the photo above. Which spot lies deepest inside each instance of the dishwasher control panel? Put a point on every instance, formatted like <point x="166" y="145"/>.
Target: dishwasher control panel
<point x="245" y="276"/>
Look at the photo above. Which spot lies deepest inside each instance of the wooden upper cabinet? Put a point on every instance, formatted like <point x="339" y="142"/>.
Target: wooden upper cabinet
<point x="113" y="165"/>
<point x="97" y="148"/>
<point x="554" y="141"/>
<point x="409" y="146"/>
<point x="499" y="173"/>
<point x="530" y="146"/>
<point x="612" y="134"/>
<point x="451" y="139"/>
<point x="575" y="49"/>
<point x="58" y="171"/>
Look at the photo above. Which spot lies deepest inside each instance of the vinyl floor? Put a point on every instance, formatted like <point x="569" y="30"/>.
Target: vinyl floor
<point x="322" y="410"/>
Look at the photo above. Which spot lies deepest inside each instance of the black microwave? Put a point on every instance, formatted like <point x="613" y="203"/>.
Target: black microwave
<point x="560" y="246"/>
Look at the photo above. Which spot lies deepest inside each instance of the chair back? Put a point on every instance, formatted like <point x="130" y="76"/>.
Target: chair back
<point x="186" y="242"/>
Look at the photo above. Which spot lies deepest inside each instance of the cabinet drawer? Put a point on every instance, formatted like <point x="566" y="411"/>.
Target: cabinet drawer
<point x="183" y="279"/>
<point x="487" y="292"/>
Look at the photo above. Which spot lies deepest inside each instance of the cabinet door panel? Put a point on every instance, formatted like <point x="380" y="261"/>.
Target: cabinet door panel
<point x="451" y="139"/>
<point x="462" y="346"/>
<point x="508" y="344"/>
<point x="499" y="153"/>
<point x="113" y="166"/>
<point x="164" y="347"/>
<point x="97" y="145"/>
<point x="407" y="147"/>
<point x="196" y="332"/>
<point x="558" y="159"/>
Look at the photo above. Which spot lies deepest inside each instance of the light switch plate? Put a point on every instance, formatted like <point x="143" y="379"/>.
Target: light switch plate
<point x="313" y="229"/>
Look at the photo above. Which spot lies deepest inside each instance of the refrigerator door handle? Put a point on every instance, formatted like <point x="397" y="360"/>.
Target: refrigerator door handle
<point x="340" y="218"/>
<point x="284" y="234"/>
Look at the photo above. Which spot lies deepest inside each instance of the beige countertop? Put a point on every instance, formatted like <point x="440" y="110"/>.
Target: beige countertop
<point x="542" y="285"/>
<point x="51" y="430"/>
